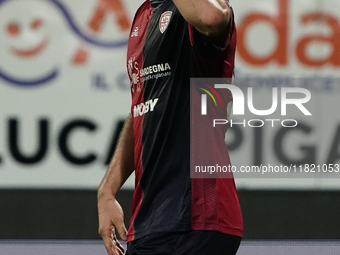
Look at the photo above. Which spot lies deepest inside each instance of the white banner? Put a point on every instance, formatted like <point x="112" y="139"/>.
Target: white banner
<point x="64" y="90"/>
<point x="296" y="37"/>
<point x="283" y="39"/>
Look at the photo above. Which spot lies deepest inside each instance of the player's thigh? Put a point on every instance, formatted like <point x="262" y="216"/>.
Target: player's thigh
<point x="207" y="243"/>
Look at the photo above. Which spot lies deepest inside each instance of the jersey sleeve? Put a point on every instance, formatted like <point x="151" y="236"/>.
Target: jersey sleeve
<point x="203" y="45"/>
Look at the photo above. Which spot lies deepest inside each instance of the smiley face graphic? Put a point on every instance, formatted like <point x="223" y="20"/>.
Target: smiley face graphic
<point x="26" y="43"/>
<point x="14" y="29"/>
<point x="37" y="37"/>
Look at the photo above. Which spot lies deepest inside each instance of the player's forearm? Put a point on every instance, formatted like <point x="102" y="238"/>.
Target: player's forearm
<point x="122" y="163"/>
<point x="209" y="17"/>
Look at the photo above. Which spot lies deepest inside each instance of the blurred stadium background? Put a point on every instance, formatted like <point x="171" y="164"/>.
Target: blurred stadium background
<point x="64" y="94"/>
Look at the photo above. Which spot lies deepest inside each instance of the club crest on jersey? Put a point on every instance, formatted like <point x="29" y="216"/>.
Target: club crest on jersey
<point x="164" y="21"/>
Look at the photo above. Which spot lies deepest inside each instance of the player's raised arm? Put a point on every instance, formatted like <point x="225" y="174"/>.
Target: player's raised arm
<point x="209" y="17"/>
<point x="110" y="213"/>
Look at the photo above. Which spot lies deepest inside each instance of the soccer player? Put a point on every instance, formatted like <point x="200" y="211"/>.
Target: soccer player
<point x="171" y="41"/>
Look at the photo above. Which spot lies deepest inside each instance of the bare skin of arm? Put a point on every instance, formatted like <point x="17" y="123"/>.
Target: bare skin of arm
<point x="210" y="17"/>
<point x="110" y="213"/>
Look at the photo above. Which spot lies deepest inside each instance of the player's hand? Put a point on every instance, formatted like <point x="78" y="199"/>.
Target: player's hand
<point x="111" y="219"/>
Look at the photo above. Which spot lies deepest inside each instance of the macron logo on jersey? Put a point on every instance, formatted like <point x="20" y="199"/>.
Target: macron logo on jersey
<point x="143" y="108"/>
<point x="135" y="32"/>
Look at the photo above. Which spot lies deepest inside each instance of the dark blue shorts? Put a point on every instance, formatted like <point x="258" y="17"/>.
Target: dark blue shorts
<point x="185" y="243"/>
